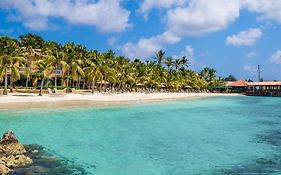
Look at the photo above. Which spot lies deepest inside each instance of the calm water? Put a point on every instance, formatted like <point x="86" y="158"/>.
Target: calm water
<point x="220" y="135"/>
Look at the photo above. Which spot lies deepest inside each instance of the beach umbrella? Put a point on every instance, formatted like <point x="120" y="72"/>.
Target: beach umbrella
<point x="102" y="82"/>
<point x="139" y="84"/>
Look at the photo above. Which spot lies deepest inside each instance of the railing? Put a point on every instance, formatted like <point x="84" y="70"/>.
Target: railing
<point x="263" y="92"/>
<point x="57" y="72"/>
<point x="21" y="69"/>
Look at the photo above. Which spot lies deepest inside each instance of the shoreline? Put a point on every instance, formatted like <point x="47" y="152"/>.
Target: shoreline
<point x="20" y="100"/>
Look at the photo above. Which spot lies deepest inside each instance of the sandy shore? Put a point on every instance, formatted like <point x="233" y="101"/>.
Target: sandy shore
<point x="18" y="100"/>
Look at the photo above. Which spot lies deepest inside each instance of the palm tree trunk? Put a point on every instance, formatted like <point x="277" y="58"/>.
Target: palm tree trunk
<point x="41" y="87"/>
<point x="5" y="92"/>
<point x="11" y="84"/>
<point x="47" y="81"/>
<point x="78" y="83"/>
<point x="93" y="86"/>
<point x="26" y="82"/>
<point x="56" y="77"/>
<point x="67" y="80"/>
<point x="119" y="86"/>
<point x="84" y="83"/>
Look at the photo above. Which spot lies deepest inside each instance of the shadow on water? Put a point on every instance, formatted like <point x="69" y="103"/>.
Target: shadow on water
<point x="263" y="166"/>
<point x="270" y="165"/>
<point x="45" y="163"/>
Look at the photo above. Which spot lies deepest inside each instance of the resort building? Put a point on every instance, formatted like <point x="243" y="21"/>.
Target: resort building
<point x="266" y="88"/>
<point x="237" y="86"/>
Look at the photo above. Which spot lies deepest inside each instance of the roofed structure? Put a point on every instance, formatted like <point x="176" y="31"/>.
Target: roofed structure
<point x="239" y="83"/>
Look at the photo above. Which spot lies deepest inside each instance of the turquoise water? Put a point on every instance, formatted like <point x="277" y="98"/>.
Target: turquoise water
<point x="220" y="135"/>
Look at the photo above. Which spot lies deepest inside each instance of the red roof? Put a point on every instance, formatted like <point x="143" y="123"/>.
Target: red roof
<point x="239" y="83"/>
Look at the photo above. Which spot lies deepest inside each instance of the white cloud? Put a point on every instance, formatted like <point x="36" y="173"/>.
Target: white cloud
<point x="188" y="51"/>
<point x="201" y="17"/>
<point x="106" y="15"/>
<point x="145" y="47"/>
<point x="111" y="41"/>
<point x="245" y="38"/>
<point x="251" y="54"/>
<point x="147" y="5"/>
<point x="251" y="69"/>
<point x="268" y="9"/>
<point x="276" y="57"/>
<point x="196" y="17"/>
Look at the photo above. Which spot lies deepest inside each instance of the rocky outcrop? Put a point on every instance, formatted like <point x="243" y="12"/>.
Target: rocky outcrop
<point x="12" y="153"/>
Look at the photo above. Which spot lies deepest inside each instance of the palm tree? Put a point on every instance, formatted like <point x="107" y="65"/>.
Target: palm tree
<point x="159" y="56"/>
<point x="184" y="62"/>
<point x="169" y="63"/>
<point x="44" y="70"/>
<point x="78" y="64"/>
<point x="177" y="64"/>
<point x="92" y="73"/>
<point x="31" y="41"/>
<point x="27" y="71"/>
<point x="71" y="63"/>
<point x="207" y="73"/>
<point x="32" y="47"/>
<point x="56" y="55"/>
<point x="10" y="57"/>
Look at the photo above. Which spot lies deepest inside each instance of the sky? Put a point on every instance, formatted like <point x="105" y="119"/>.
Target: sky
<point x="231" y="36"/>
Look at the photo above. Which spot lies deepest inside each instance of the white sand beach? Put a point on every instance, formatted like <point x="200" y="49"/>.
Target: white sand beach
<point x="13" y="100"/>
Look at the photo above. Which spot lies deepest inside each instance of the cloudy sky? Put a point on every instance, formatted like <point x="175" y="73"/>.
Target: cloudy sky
<point x="232" y="36"/>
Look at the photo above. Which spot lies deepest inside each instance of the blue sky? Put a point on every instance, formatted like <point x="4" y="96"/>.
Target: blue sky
<point x="232" y="36"/>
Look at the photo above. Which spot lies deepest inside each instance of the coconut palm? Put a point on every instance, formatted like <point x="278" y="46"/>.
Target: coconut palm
<point x="10" y="56"/>
<point x="159" y="57"/>
<point x="71" y="65"/>
<point x="184" y="62"/>
<point x="56" y="56"/>
<point x="177" y="64"/>
<point x="92" y="73"/>
<point x="95" y="69"/>
<point x="169" y="63"/>
<point x="207" y="73"/>
<point x="31" y="41"/>
<point x="44" y="70"/>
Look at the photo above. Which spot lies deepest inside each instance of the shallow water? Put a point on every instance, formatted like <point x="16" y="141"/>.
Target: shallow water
<point x="218" y="135"/>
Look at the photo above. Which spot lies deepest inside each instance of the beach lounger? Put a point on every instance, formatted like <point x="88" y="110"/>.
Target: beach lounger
<point x="56" y="92"/>
<point x="50" y="92"/>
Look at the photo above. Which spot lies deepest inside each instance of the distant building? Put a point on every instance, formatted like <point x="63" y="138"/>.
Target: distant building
<point x="239" y="86"/>
<point x="265" y="88"/>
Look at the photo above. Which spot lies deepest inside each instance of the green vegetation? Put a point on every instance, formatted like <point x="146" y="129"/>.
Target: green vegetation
<point x="230" y="78"/>
<point x="31" y="62"/>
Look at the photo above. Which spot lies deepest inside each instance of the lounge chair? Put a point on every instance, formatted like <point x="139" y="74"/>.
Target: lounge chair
<point x="56" y="92"/>
<point x="50" y="92"/>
